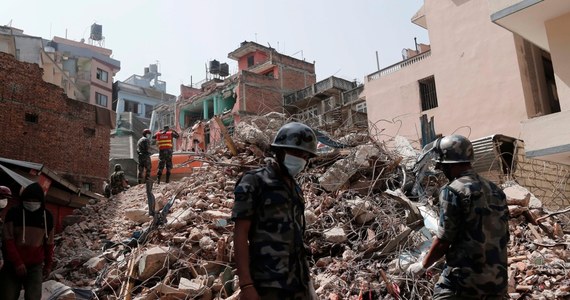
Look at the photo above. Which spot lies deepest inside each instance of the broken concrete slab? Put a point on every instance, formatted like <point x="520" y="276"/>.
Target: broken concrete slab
<point x="137" y="215"/>
<point x="517" y="192"/>
<point x="335" y="235"/>
<point x="154" y="261"/>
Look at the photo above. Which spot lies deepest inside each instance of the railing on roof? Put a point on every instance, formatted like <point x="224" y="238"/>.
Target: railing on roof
<point x="398" y="66"/>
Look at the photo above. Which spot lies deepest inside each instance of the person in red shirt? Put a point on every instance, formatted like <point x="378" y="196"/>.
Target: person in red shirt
<point x="5" y="194"/>
<point x="164" y="141"/>
<point x="28" y="246"/>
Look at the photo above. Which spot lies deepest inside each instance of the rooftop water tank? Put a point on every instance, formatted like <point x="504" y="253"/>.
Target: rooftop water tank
<point x="224" y="69"/>
<point x="96" y="32"/>
<point x="214" y="67"/>
<point x="153" y="68"/>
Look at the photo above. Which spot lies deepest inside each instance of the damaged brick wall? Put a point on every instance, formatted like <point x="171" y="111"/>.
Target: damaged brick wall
<point x="548" y="181"/>
<point x="40" y="124"/>
<point x="295" y="74"/>
<point x="264" y="94"/>
<point x="261" y="94"/>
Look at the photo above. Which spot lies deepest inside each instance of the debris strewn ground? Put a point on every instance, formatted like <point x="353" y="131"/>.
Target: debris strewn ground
<point x="362" y="231"/>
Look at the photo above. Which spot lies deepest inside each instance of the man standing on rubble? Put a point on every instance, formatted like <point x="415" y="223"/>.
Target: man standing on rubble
<point x="143" y="150"/>
<point x="473" y="229"/>
<point x="28" y="245"/>
<point x="269" y="221"/>
<point x="164" y="140"/>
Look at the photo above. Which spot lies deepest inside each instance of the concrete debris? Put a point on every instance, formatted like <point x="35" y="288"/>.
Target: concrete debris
<point x="138" y="216"/>
<point x="153" y="261"/>
<point x="358" y="239"/>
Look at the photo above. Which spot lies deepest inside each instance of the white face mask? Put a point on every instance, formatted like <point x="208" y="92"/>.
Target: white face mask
<point x="294" y="164"/>
<point x="31" y="206"/>
<point x="3" y="203"/>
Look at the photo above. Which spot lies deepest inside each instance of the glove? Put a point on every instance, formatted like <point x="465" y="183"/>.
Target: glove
<point x="416" y="269"/>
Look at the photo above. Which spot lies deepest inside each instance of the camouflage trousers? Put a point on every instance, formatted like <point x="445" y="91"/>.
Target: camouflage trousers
<point x="144" y="167"/>
<point x="164" y="159"/>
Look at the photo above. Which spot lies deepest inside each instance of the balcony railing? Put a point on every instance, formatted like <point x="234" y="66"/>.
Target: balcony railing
<point x="396" y="67"/>
<point x="319" y="87"/>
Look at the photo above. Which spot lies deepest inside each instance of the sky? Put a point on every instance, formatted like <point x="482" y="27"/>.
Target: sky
<point x="182" y="36"/>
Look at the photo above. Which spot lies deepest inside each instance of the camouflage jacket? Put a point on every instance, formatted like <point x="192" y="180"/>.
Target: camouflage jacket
<point x="117" y="179"/>
<point x="143" y="146"/>
<point x="474" y="219"/>
<point x="277" y="254"/>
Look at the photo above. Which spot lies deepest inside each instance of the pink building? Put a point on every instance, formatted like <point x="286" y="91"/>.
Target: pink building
<point x="479" y="79"/>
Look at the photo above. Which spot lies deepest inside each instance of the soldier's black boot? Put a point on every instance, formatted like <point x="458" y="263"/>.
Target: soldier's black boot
<point x="158" y="178"/>
<point x="167" y="177"/>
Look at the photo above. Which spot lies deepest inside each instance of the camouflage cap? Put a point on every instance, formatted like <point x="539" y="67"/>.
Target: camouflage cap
<point x="454" y="149"/>
<point x="296" y="135"/>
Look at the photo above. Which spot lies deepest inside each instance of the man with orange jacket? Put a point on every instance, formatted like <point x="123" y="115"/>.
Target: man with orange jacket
<point x="164" y="141"/>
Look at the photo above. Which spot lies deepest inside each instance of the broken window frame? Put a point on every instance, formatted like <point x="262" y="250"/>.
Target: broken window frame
<point x="361" y="107"/>
<point x="308" y="113"/>
<point x="101" y="100"/>
<point x="329" y="104"/>
<point x="428" y="93"/>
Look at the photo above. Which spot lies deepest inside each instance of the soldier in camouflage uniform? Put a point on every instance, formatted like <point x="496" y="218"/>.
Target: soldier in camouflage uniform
<point x="473" y="229"/>
<point x="118" y="181"/>
<point x="143" y="150"/>
<point x="269" y="221"/>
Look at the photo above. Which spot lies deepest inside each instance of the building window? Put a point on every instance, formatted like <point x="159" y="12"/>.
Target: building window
<point x="31" y="118"/>
<point x="131" y="106"/>
<point x="102" y="75"/>
<point x="167" y="119"/>
<point x="428" y="94"/>
<point x="148" y="111"/>
<point x="308" y="113"/>
<point x="361" y="107"/>
<point x="250" y="61"/>
<point x="101" y="99"/>
<point x="329" y="104"/>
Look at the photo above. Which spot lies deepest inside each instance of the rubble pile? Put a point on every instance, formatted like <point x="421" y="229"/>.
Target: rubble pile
<point x="362" y="232"/>
<point x="539" y="251"/>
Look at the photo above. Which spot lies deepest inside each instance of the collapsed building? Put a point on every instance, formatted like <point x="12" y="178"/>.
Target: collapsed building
<point x="266" y="81"/>
<point x="363" y="229"/>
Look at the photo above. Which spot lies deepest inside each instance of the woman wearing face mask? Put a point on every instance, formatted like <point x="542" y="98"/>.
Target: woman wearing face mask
<point x="270" y="224"/>
<point x="28" y="246"/>
<point x="5" y="194"/>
